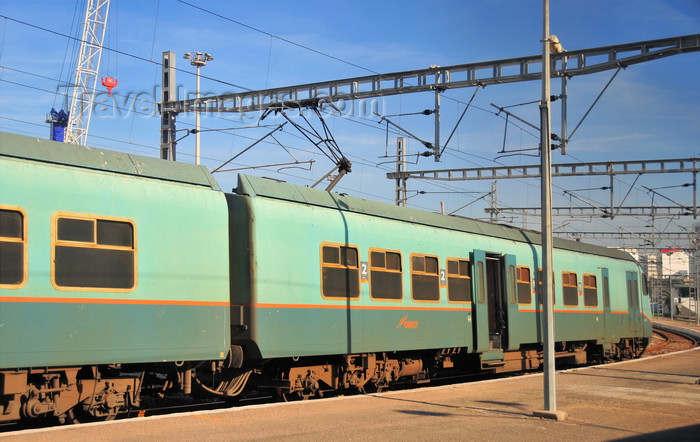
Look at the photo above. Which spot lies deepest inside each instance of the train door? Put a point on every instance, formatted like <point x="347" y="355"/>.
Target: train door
<point x="479" y="305"/>
<point x="635" y="324"/>
<point x="490" y="307"/>
<point x="607" y="325"/>
<point x="510" y="298"/>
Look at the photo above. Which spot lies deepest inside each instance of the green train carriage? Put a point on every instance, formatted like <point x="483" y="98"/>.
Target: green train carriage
<point x="106" y="259"/>
<point x="312" y="277"/>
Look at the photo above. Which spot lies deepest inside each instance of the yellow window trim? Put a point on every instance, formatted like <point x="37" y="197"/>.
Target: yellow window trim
<point x="594" y="279"/>
<point x="533" y="295"/>
<point x="87" y="245"/>
<point x="590" y="287"/>
<point x="568" y="284"/>
<point x="424" y="273"/>
<point x="529" y="273"/>
<point x="23" y="240"/>
<point x="383" y="269"/>
<point x="458" y="276"/>
<point x="418" y="272"/>
<point x="339" y="266"/>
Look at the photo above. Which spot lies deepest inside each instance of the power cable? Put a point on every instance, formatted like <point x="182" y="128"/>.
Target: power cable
<point x="126" y="54"/>
<point x="277" y="37"/>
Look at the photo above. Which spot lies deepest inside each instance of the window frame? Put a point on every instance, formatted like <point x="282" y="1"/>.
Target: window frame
<point x="587" y="278"/>
<point x="468" y="278"/>
<point x="632" y="293"/>
<point x="340" y="266"/>
<point x="372" y="269"/>
<point x="520" y="282"/>
<point x="425" y="273"/>
<point x="55" y="242"/>
<point x="567" y="285"/>
<point x="24" y="241"/>
<point x="481" y="281"/>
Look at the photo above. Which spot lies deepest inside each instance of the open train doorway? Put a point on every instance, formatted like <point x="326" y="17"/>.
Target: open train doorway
<point x="495" y="301"/>
<point x="494" y="286"/>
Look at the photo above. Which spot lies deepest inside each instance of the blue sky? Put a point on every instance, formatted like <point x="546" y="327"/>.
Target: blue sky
<point x="650" y="110"/>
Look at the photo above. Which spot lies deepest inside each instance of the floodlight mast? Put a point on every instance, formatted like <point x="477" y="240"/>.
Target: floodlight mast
<point x="197" y="59"/>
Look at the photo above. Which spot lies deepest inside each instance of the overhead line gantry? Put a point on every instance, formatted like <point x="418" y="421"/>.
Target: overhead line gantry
<point x="436" y="79"/>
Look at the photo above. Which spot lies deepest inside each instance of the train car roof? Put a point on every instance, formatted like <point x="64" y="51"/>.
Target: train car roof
<point x="36" y="149"/>
<point x="268" y="188"/>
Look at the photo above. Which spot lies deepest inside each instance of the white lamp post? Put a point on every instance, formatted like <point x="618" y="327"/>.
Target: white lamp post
<point x="197" y="59"/>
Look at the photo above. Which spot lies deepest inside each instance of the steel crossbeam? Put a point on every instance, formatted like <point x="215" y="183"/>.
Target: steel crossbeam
<point x="655" y="211"/>
<point x="440" y="78"/>
<point x="626" y="235"/>
<point x="609" y="168"/>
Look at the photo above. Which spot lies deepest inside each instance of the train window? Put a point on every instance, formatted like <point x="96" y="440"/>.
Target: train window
<point x="340" y="272"/>
<point x="92" y="253"/>
<point x="425" y="278"/>
<point x="645" y="286"/>
<point x="539" y="288"/>
<point x="524" y="286"/>
<point x="512" y="284"/>
<point x="114" y="233"/>
<point x="80" y="230"/>
<point x="481" y="281"/>
<point x="590" y="290"/>
<point x="459" y="280"/>
<point x="632" y="291"/>
<point x="606" y="292"/>
<point x="385" y="275"/>
<point x="12" y="248"/>
<point x="570" y="289"/>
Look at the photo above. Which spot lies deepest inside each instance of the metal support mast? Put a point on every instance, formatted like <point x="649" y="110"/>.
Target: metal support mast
<point x="83" y="95"/>
<point x="401" y="152"/>
<point x="550" y="395"/>
<point x="167" y="119"/>
<point x="438" y="90"/>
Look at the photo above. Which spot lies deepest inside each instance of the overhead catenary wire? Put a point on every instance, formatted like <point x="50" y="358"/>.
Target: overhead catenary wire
<point x="291" y="42"/>
<point x="271" y="35"/>
<point x="123" y="53"/>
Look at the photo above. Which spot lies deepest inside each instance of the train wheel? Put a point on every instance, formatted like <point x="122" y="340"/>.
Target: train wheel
<point x="373" y="387"/>
<point x="78" y="415"/>
<point x="284" y="395"/>
<point x="377" y="386"/>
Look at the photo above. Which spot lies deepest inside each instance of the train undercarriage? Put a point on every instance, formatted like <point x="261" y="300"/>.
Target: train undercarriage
<point x="81" y="394"/>
<point x="70" y="394"/>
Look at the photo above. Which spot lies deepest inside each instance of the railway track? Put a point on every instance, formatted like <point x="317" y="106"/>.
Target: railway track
<point x="665" y="341"/>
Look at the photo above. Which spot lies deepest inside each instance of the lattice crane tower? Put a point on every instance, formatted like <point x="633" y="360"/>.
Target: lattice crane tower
<point x="83" y="94"/>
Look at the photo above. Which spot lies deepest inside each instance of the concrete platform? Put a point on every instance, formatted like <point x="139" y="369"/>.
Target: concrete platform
<point x="655" y="398"/>
<point x="683" y="324"/>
